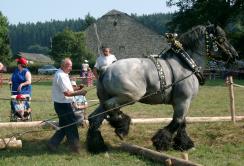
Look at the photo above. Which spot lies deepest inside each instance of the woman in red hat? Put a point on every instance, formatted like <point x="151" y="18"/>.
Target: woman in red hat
<point x="21" y="78"/>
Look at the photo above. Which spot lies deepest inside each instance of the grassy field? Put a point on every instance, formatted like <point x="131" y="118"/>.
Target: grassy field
<point x="217" y="144"/>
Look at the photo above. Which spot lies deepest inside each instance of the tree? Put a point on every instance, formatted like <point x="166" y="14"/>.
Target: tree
<point x="4" y="40"/>
<point x="225" y="13"/>
<point x="89" y="20"/>
<point x="195" y="12"/>
<point x="156" y="22"/>
<point x="23" y="36"/>
<point x="70" y="44"/>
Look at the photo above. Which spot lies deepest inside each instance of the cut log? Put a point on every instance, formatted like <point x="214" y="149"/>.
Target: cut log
<point x="168" y="162"/>
<point x="185" y="156"/>
<point x="157" y="156"/>
<point x="10" y="143"/>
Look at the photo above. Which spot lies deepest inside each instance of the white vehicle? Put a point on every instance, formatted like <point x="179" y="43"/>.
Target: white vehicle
<point x="47" y="69"/>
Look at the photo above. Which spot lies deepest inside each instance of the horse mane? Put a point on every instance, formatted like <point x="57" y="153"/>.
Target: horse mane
<point x="191" y="38"/>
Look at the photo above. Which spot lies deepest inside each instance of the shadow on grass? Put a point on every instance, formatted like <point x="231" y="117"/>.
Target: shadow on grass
<point x="33" y="148"/>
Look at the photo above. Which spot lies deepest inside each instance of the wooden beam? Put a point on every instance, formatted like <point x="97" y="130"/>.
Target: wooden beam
<point x="133" y="121"/>
<point x="157" y="156"/>
<point x="188" y="119"/>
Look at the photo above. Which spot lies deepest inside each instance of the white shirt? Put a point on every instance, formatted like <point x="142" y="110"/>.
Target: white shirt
<point x="61" y="84"/>
<point x="103" y="61"/>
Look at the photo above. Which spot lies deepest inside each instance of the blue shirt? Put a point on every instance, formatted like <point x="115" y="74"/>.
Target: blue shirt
<point x="18" y="78"/>
<point x="24" y="106"/>
<point x="80" y="100"/>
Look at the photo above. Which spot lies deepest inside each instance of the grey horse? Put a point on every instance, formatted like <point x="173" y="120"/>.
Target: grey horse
<point x="137" y="80"/>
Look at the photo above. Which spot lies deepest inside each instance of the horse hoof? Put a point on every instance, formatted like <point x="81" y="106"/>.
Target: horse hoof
<point x="121" y="123"/>
<point x="182" y="142"/>
<point x="95" y="142"/>
<point x="162" y="140"/>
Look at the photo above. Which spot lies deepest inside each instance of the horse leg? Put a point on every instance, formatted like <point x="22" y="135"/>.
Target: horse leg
<point x="163" y="137"/>
<point x="116" y="118"/>
<point x="94" y="139"/>
<point x="162" y="140"/>
<point x="182" y="141"/>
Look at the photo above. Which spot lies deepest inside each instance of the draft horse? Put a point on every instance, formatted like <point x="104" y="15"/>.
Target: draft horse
<point x="170" y="79"/>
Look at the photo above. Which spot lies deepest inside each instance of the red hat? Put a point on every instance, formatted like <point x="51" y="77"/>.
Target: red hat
<point x="21" y="60"/>
<point x="20" y="97"/>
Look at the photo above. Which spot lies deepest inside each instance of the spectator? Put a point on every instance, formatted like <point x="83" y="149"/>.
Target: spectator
<point x="90" y="77"/>
<point x="79" y="106"/>
<point x="1" y="67"/>
<point x="84" y="69"/>
<point x="21" y="78"/>
<point x="1" y="77"/>
<point x="103" y="61"/>
<point x="21" y="107"/>
<point x="62" y="96"/>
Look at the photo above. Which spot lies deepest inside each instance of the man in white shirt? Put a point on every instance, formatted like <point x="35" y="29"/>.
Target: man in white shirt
<point x="103" y="61"/>
<point x="62" y="96"/>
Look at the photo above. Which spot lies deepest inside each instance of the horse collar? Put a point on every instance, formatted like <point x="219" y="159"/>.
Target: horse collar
<point x="177" y="48"/>
<point x="161" y="75"/>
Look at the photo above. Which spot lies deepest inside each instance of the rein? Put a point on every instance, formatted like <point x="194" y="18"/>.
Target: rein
<point x="216" y="44"/>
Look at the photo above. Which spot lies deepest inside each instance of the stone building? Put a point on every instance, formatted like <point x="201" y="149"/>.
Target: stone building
<point x="37" y="58"/>
<point x="124" y="35"/>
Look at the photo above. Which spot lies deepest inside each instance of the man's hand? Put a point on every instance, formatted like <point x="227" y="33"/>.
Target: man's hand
<point x="75" y="93"/>
<point x="83" y="92"/>
<point x="81" y="86"/>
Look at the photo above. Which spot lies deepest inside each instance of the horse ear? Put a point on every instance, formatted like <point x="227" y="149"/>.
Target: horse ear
<point x="209" y="23"/>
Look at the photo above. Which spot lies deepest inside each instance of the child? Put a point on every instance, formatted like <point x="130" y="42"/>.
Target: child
<point x="79" y="106"/>
<point x="89" y="77"/>
<point x="22" y="107"/>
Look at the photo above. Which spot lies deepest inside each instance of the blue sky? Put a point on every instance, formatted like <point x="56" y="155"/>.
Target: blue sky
<point x="44" y="10"/>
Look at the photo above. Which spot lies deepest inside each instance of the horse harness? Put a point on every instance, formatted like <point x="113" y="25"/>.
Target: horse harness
<point x="177" y="48"/>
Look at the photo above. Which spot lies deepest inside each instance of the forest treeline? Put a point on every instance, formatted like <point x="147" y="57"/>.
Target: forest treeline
<point x="37" y="37"/>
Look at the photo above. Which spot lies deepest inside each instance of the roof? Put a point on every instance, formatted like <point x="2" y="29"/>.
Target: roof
<point x="38" y="58"/>
<point x="114" y="12"/>
<point x="125" y="36"/>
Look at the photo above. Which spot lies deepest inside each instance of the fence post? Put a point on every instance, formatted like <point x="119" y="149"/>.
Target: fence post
<point x="232" y="98"/>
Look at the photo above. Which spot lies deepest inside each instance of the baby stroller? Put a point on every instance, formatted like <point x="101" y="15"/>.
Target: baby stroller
<point x="20" y="108"/>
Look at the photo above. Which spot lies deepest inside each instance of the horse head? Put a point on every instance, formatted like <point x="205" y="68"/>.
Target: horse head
<point x="217" y="45"/>
<point x="211" y="41"/>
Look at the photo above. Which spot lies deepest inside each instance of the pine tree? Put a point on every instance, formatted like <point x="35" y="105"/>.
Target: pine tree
<point x="4" y="40"/>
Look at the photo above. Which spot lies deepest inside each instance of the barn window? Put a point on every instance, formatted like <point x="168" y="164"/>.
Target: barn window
<point x="115" y="23"/>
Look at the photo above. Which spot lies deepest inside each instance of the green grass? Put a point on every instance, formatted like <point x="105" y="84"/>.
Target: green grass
<point x="217" y="144"/>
